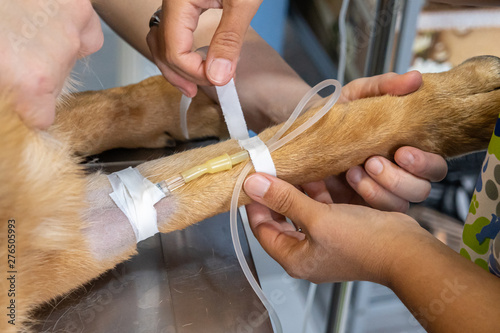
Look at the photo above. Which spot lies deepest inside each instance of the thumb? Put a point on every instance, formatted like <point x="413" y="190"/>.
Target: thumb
<point x="227" y="41"/>
<point x="282" y="198"/>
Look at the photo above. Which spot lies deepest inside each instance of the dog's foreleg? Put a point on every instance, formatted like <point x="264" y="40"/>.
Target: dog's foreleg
<point x="347" y="136"/>
<point x="434" y="119"/>
<point x="145" y="114"/>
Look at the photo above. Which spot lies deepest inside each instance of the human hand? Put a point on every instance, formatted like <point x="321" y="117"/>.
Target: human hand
<point x="171" y="43"/>
<point x="39" y="43"/>
<point x="337" y="242"/>
<point x="381" y="183"/>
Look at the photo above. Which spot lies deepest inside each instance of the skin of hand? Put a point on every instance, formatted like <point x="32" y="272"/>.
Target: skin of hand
<point x="338" y="242"/>
<point x="171" y="43"/>
<point x="381" y="183"/>
<point x="41" y="41"/>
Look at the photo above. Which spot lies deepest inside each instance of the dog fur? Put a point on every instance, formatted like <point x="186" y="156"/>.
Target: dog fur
<point x="68" y="231"/>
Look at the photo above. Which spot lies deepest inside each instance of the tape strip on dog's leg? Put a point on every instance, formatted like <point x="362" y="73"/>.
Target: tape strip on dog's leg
<point x="237" y="126"/>
<point x="136" y="197"/>
<point x="231" y="109"/>
<point x="260" y="155"/>
<point x="233" y="114"/>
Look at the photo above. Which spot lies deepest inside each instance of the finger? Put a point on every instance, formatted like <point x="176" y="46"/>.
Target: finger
<point x="318" y="191"/>
<point x="185" y="86"/>
<point x="341" y="191"/>
<point x="283" y="198"/>
<point x="389" y="83"/>
<point x="227" y="41"/>
<point x="422" y="164"/>
<point x="373" y="193"/>
<point x="397" y="180"/>
<point x="261" y="214"/>
<point x="175" y="39"/>
<point x="274" y="239"/>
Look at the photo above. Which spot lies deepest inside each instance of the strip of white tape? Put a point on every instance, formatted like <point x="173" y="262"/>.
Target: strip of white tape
<point x="233" y="114"/>
<point x="260" y="155"/>
<point x="237" y="126"/>
<point x="136" y="197"/>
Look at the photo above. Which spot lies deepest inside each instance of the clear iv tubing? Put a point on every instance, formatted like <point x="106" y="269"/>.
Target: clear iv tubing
<point x="343" y="42"/>
<point x="274" y="143"/>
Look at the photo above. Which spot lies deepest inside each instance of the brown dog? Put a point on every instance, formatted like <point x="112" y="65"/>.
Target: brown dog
<point x="67" y="231"/>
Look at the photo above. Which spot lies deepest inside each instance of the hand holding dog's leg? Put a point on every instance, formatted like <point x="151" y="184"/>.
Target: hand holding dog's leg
<point x="384" y="84"/>
<point x="381" y="183"/>
<point x="444" y="291"/>
<point x="388" y="186"/>
<point x="337" y="243"/>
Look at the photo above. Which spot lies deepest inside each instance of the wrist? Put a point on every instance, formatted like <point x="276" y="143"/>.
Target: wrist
<point x="405" y="242"/>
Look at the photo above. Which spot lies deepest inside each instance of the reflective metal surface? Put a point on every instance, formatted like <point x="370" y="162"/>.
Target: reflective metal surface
<point x="184" y="281"/>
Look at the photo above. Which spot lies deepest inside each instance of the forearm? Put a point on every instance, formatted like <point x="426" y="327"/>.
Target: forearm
<point x="129" y="19"/>
<point x="445" y="292"/>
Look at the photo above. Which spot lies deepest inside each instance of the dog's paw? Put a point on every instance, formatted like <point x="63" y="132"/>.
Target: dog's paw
<point x="158" y="140"/>
<point x="476" y="75"/>
<point x="459" y="108"/>
<point x="484" y="74"/>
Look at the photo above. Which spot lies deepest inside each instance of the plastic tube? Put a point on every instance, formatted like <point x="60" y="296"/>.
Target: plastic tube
<point x="184" y="106"/>
<point x="220" y="163"/>
<point x="275" y="143"/>
<point x="343" y="42"/>
<point x="309" y="304"/>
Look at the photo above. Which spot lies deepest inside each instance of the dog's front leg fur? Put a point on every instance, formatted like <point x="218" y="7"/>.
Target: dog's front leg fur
<point x="142" y="115"/>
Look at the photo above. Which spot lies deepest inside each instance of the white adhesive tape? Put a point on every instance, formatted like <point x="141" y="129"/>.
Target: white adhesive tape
<point x="233" y="114"/>
<point x="136" y="197"/>
<point x="235" y="121"/>
<point x="260" y="155"/>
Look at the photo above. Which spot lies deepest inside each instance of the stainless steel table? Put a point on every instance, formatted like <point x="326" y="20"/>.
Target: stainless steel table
<point x="184" y="281"/>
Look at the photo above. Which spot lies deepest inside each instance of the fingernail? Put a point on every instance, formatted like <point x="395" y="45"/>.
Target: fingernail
<point x="406" y="158"/>
<point x="257" y="185"/>
<point x="354" y="175"/>
<point x="374" y="166"/>
<point x="219" y="70"/>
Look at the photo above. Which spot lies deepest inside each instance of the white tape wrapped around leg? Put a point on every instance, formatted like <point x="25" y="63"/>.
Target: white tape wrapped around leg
<point x="136" y="197"/>
<point x="259" y="154"/>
